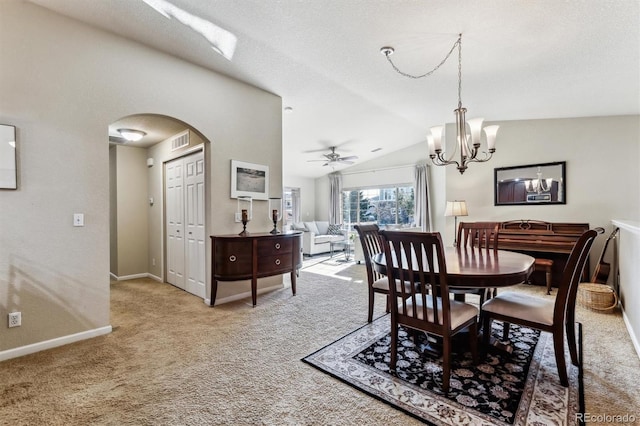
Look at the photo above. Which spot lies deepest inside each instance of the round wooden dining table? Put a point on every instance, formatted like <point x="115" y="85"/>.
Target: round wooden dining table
<point x="476" y="268"/>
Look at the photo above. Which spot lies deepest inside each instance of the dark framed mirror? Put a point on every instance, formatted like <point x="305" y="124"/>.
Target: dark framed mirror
<point x="531" y="184"/>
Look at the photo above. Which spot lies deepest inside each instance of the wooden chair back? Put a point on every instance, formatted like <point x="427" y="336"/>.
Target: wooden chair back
<point x="371" y="243"/>
<point x="422" y="267"/>
<point x="478" y="234"/>
<point x="564" y="309"/>
<point x="422" y="303"/>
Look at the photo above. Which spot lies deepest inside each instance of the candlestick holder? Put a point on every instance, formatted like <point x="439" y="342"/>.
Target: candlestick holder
<point x="275" y="207"/>
<point x="244" y="213"/>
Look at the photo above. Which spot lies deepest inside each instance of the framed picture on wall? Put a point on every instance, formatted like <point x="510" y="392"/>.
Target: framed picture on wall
<point x="8" y="169"/>
<point x="248" y="179"/>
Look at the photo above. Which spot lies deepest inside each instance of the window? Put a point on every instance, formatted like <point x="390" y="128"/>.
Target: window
<point x="384" y="205"/>
<point x="291" y="205"/>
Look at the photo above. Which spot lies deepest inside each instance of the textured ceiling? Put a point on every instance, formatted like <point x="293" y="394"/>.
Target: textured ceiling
<point x="521" y="59"/>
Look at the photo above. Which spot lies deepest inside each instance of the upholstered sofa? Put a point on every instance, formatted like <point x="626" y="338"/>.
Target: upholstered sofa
<point x="318" y="235"/>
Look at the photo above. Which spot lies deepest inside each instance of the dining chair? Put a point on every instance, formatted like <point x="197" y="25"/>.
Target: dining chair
<point x="420" y="263"/>
<point x="482" y="236"/>
<point x="552" y="315"/>
<point x="372" y="244"/>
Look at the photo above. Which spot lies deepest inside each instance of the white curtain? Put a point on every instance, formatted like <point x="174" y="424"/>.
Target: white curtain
<point x="422" y="212"/>
<point x="295" y="204"/>
<point x="335" y="198"/>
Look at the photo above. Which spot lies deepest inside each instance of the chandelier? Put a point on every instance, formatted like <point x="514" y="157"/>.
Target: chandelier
<point x="467" y="142"/>
<point x="539" y="185"/>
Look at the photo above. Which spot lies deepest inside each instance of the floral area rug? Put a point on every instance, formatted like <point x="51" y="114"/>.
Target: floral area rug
<point x="505" y="388"/>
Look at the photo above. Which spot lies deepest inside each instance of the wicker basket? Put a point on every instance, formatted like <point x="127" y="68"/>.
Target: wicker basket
<point x="597" y="297"/>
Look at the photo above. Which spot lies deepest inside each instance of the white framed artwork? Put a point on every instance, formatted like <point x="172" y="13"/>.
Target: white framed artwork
<point x="248" y="179"/>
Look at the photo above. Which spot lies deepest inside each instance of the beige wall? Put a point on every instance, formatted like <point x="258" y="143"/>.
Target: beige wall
<point x="628" y="245"/>
<point x="132" y="239"/>
<point x="65" y="84"/>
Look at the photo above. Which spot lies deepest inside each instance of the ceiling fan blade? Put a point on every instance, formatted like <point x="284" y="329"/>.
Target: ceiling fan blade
<point x="311" y="161"/>
<point x="345" y="162"/>
<point x="349" y="158"/>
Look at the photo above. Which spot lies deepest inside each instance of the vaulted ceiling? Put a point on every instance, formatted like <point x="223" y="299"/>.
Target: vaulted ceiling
<point x="521" y="59"/>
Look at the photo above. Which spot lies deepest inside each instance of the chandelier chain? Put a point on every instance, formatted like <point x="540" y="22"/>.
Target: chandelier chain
<point x="457" y="43"/>
<point x="468" y="144"/>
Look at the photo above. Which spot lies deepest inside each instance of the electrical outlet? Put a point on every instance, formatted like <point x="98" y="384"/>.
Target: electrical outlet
<point x="15" y="319"/>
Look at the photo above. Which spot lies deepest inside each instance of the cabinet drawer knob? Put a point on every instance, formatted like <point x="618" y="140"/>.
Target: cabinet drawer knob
<point x="278" y="246"/>
<point x="232" y="258"/>
<point x="277" y="261"/>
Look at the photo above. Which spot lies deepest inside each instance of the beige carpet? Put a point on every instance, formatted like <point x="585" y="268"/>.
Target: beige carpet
<point x="171" y="360"/>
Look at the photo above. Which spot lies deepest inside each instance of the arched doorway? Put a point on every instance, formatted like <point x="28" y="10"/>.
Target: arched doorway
<point x="158" y="202"/>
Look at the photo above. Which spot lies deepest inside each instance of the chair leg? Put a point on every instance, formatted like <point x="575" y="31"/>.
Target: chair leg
<point x="415" y="335"/>
<point x="486" y="331"/>
<point x="505" y="331"/>
<point x="394" y="347"/>
<point x="473" y="342"/>
<point x="372" y="296"/>
<point x="446" y="364"/>
<point x="483" y="296"/>
<point x="558" y="348"/>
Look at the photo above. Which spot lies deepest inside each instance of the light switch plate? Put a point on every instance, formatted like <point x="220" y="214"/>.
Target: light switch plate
<point x="78" y="219"/>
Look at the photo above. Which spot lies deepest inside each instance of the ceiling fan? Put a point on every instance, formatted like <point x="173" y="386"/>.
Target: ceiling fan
<point x="333" y="158"/>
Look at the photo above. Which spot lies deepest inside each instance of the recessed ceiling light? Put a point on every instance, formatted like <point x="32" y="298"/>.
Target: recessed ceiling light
<point x="288" y="110"/>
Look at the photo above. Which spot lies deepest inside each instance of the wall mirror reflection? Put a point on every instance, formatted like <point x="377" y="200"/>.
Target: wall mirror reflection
<point x="531" y="184"/>
<point x="8" y="176"/>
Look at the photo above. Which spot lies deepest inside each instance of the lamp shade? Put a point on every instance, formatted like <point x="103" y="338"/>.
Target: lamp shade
<point x="456" y="208"/>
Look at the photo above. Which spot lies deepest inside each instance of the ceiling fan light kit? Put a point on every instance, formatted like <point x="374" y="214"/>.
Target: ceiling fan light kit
<point x="333" y="158"/>
<point x="468" y="133"/>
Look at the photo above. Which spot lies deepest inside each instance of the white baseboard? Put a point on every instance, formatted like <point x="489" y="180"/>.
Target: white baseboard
<point x="632" y="334"/>
<point x="135" y="276"/>
<point x="53" y="343"/>
<point x="244" y="295"/>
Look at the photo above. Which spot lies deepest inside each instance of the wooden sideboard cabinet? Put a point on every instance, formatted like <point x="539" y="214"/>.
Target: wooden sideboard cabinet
<point x="253" y="256"/>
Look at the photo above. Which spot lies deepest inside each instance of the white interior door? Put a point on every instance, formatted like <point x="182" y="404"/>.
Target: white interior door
<point x="185" y="223"/>
<point x="174" y="214"/>
<point x="194" y="224"/>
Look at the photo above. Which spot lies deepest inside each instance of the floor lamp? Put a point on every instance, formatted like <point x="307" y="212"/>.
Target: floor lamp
<point x="456" y="208"/>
